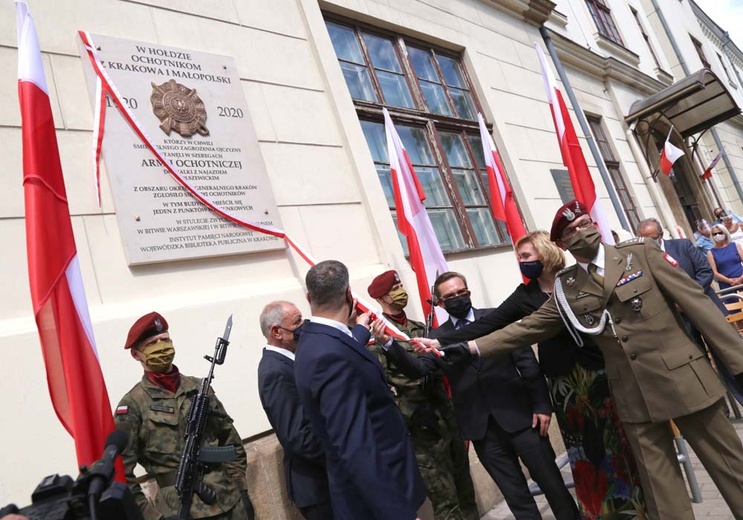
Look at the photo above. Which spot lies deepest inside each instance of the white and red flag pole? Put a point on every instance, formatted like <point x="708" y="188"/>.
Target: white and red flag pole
<point x="669" y="155"/>
<point x="572" y="153"/>
<point x="501" y="197"/>
<point x="76" y="385"/>
<point x="426" y="258"/>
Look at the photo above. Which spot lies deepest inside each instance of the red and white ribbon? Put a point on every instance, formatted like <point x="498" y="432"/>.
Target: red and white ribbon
<point x="105" y="87"/>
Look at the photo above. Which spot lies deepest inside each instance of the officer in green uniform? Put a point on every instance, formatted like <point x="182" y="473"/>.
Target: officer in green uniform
<point x="628" y="297"/>
<point x="425" y="405"/>
<point x="155" y="413"/>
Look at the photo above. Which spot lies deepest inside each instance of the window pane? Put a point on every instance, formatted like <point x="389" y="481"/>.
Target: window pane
<point x="433" y="186"/>
<point x="447" y="231"/>
<point x="435" y="98"/>
<point x="345" y="43"/>
<point x="395" y="89"/>
<point x="476" y="145"/>
<point x="483" y="226"/>
<point x="381" y="52"/>
<point x="358" y="81"/>
<point x="377" y="140"/>
<point x="450" y="70"/>
<point x="403" y="240"/>
<point x="463" y="103"/>
<point x="415" y="142"/>
<point x="423" y="64"/>
<point x="469" y="188"/>
<point x="455" y="151"/>
<point x="386" y="180"/>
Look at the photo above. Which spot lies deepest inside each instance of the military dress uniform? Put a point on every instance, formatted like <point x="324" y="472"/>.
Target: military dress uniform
<point x="655" y="370"/>
<point x="439" y="448"/>
<point x="156" y="421"/>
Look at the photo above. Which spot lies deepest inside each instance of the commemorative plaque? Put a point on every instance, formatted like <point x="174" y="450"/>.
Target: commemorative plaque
<point x="191" y="106"/>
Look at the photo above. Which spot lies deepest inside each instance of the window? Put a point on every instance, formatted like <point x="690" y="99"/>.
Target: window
<point x="429" y="97"/>
<point x="645" y="36"/>
<point x="602" y="17"/>
<point x="700" y="51"/>
<point x="727" y="71"/>
<point x="612" y="165"/>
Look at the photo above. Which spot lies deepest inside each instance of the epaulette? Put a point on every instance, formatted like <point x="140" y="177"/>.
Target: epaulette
<point x="630" y="242"/>
<point x="566" y="270"/>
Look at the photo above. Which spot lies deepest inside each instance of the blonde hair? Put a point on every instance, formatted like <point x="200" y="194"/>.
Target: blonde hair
<point x="551" y="255"/>
<point x="723" y="229"/>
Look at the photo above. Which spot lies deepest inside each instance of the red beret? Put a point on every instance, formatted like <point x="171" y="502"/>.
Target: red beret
<point x="564" y="216"/>
<point x="382" y="284"/>
<point x="145" y="327"/>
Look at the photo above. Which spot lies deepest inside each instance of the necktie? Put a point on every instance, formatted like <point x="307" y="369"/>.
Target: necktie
<point x="593" y="270"/>
<point x="461" y="324"/>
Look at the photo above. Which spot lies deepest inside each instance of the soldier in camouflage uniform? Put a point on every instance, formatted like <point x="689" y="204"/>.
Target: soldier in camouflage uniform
<point x="439" y="448"/>
<point x="155" y="413"/>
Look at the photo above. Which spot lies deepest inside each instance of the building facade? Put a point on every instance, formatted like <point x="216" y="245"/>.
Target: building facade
<point x="316" y="75"/>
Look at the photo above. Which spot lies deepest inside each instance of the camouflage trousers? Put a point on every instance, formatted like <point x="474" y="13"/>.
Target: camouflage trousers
<point x="167" y="500"/>
<point x="444" y="465"/>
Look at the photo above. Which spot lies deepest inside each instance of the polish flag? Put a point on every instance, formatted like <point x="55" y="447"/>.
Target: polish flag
<point x="708" y="172"/>
<point x="501" y="200"/>
<point x="572" y="154"/>
<point x="73" y="373"/>
<point x="669" y="155"/>
<point x="426" y="258"/>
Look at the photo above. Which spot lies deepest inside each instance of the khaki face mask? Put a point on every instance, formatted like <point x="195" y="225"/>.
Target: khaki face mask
<point x="159" y="356"/>
<point x="399" y="298"/>
<point x="585" y="243"/>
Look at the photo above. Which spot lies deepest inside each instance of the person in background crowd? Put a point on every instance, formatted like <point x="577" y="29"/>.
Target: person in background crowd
<point x="704" y="240"/>
<point x="607" y="482"/>
<point x="304" y="458"/>
<point x="734" y="228"/>
<point x="425" y="404"/>
<point x="155" y="412"/>
<point x="725" y="258"/>
<point x="502" y="405"/>
<point x="719" y="213"/>
<point x="372" y="469"/>
<point x="627" y="298"/>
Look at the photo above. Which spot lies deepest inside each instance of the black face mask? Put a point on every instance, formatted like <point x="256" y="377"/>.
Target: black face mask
<point x="532" y="270"/>
<point x="298" y="331"/>
<point x="458" y="307"/>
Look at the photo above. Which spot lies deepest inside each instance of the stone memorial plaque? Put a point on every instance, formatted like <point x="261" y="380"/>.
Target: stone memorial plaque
<point x="192" y="107"/>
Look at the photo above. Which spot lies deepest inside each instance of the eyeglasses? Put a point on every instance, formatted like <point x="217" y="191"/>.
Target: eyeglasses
<point x="719" y="235"/>
<point x="569" y="232"/>
<point x="449" y="296"/>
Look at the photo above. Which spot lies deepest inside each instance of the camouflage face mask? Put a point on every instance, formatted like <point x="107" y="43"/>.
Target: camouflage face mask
<point x="159" y="356"/>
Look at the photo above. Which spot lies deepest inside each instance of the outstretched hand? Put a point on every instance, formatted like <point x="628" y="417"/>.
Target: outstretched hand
<point x="426" y="345"/>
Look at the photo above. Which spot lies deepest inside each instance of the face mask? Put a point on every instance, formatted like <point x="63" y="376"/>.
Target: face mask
<point x="532" y="270"/>
<point x="719" y="237"/>
<point x="399" y="298"/>
<point x="585" y="243"/>
<point x="458" y="307"/>
<point x="159" y="356"/>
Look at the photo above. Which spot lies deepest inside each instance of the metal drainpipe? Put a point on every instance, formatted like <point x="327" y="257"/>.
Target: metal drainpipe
<point x="712" y="130"/>
<point x="586" y="131"/>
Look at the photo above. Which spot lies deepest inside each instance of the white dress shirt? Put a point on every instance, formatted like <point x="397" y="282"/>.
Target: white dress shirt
<point x="282" y="351"/>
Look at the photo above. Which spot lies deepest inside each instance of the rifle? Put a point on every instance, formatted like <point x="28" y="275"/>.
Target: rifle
<point x="431" y="313"/>
<point x="195" y="456"/>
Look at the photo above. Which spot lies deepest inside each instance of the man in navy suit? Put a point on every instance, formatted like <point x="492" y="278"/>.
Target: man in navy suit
<point x="304" y="458"/>
<point x="372" y="469"/>
<point x="502" y="405"/>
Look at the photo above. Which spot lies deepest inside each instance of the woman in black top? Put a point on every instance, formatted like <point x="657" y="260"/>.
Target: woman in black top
<point x="607" y="484"/>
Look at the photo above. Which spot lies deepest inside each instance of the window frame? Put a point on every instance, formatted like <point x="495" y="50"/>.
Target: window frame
<point x="604" y="21"/>
<point x="700" y="52"/>
<point x="433" y="123"/>
<point x="645" y="36"/>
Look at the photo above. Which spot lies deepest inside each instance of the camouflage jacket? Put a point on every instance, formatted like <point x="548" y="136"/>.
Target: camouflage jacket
<point x="156" y="422"/>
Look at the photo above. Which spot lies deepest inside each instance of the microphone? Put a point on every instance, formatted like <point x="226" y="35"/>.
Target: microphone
<point x="101" y="473"/>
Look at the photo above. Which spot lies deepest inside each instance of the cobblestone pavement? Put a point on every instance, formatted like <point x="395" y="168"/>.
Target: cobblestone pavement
<point x="712" y="505"/>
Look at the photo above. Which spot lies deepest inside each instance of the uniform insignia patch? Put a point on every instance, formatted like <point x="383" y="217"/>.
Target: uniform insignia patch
<point x="569" y="215"/>
<point x="122" y="410"/>
<point x="636" y="303"/>
<point x="628" y="267"/>
<point x="590" y="320"/>
<point x="671" y="260"/>
<point x="581" y="294"/>
<point x="158" y="325"/>
<point x="162" y="408"/>
<point x="570" y="281"/>
<point x="629" y="278"/>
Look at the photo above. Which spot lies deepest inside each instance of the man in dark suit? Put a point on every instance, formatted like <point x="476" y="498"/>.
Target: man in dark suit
<point x="372" y="469"/>
<point x="304" y="458"/>
<point x="502" y="405"/>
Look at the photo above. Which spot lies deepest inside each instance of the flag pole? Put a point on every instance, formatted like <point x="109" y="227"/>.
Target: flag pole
<point x="586" y="131"/>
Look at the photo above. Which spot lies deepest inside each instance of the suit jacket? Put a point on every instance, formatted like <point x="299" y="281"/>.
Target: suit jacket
<point x="655" y="370"/>
<point x="557" y="355"/>
<point x="695" y="264"/>
<point x="371" y="464"/>
<point x="304" y="458"/>
<point x="510" y="388"/>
